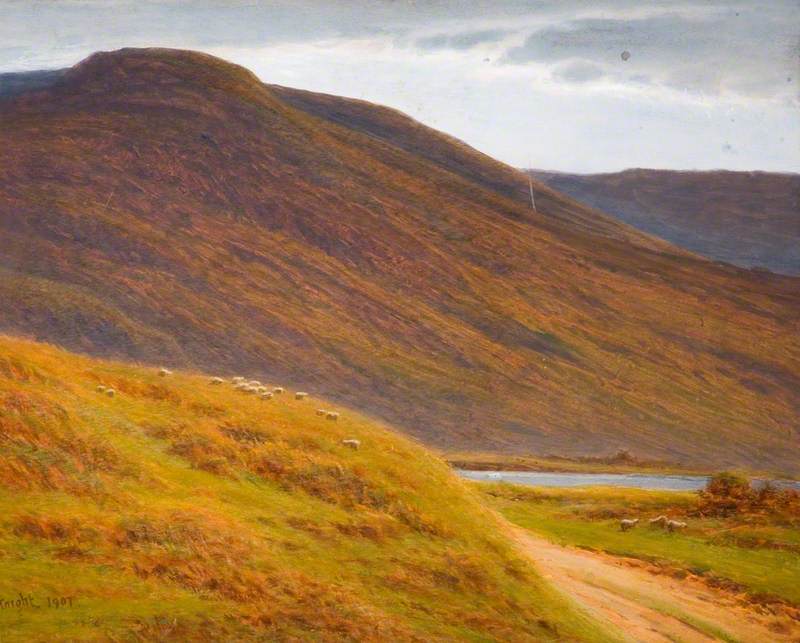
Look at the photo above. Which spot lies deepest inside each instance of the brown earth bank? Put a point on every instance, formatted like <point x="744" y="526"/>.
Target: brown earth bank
<point x="749" y="219"/>
<point x="168" y="207"/>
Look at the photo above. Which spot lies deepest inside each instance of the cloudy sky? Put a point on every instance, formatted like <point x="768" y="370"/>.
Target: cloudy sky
<point x="574" y="85"/>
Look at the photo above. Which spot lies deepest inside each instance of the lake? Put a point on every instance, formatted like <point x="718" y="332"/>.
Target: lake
<point x="633" y="480"/>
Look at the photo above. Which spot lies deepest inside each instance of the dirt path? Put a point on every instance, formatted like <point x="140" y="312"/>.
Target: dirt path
<point x="653" y="607"/>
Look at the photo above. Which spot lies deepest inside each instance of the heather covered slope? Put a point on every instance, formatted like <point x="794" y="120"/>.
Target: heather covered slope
<point x="749" y="219"/>
<point x="402" y="131"/>
<point x="168" y="207"/>
<point x="177" y="510"/>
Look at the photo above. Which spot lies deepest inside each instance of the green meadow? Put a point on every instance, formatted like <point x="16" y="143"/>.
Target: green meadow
<point x="759" y="554"/>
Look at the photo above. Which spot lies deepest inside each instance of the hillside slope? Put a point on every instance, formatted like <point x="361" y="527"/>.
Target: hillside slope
<point x="749" y="219"/>
<point x="166" y="206"/>
<point x="178" y="510"/>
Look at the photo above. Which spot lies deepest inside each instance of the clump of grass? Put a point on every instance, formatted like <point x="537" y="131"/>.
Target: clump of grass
<point x="41" y="449"/>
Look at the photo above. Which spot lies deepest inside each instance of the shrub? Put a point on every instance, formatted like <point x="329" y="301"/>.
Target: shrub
<point x="726" y="484"/>
<point x="728" y="494"/>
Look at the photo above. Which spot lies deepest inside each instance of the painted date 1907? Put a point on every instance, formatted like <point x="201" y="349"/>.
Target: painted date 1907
<point x="29" y="601"/>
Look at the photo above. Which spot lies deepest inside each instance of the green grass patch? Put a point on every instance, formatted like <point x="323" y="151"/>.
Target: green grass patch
<point x="590" y="518"/>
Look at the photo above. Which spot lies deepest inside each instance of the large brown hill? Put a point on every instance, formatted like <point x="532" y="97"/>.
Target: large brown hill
<point x="168" y="207"/>
<point x="750" y="219"/>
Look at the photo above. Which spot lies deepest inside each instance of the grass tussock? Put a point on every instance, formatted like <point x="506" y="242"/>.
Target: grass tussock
<point x="177" y="510"/>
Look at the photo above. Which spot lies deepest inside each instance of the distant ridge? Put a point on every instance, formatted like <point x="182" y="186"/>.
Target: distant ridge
<point x="14" y="83"/>
<point x="749" y="219"/>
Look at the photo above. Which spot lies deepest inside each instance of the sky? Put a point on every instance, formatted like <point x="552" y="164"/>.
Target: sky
<point x="570" y="85"/>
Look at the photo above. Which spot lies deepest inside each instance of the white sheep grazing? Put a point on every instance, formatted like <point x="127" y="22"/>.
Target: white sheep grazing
<point x="352" y="443"/>
<point x="628" y="523"/>
<point x="261" y="389"/>
<point x="251" y="389"/>
<point x="300" y="395"/>
<point x="238" y="379"/>
<point x="332" y="415"/>
<point x="278" y="390"/>
<point x="110" y="392"/>
<point x="266" y="396"/>
<point x="321" y="411"/>
<point x="674" y="525"/>
<point x="216" y="380"/>
<point x="100" y="388"/>
<point x="240" y="386"/>
<point x="659" y="521"/>
<point x="163" y="372"/>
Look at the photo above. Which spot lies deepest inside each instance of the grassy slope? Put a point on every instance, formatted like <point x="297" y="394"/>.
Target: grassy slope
<point x="590" y="518"/>
<point x="445" y="152"/>
<point x="168" y="206"/>
<point x="744" y="218"/>
<point x="183" y="511"/>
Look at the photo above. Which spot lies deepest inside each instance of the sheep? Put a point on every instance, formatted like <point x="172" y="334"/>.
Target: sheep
<point x="659" y="521"/>
<point x="216" y="380"/>
<point x="163" y="372"/>
<point x="674" y="525"/>
<point x="300" y="395"/>
<point x="352" y="443"/>
<point x="100" y="388"/>
<point x="250" y="389"/>
<point x="240" y="386"/>
<point x="262" y="389"/>
<point x="237" y="380"/>
<point x="628" y="523"/>
<point x="110" y="392"/>
<point x="278" y="390"/>
<point x="321" y="411"/>
<point x="332" y="415"/>
<point x="266" y="396"/>
<point x="254" y="383"/>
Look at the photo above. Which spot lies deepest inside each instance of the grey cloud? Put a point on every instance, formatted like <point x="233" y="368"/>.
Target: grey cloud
<point x="579" y="71"/>
<point x="464" y="40"/>
<point x="640" y="79"/>
<point x="747" y="51"/>
<point x="90" y="26"/>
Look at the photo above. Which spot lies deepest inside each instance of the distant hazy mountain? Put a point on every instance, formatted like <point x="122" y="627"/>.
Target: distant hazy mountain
<point x="750" y="219"/>
<point x="18" y="82"/>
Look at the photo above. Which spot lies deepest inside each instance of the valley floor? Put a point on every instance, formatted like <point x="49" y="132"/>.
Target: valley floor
<point x="731" y="577"/>
<point x="649" y="606"/>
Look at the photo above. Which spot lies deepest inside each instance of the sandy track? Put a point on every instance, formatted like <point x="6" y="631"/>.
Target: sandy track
<point x="645" y="606"/>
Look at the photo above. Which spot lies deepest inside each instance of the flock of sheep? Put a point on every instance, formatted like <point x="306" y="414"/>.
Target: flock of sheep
<point x="252" y="387"/>
<point x="662" y="521"/>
